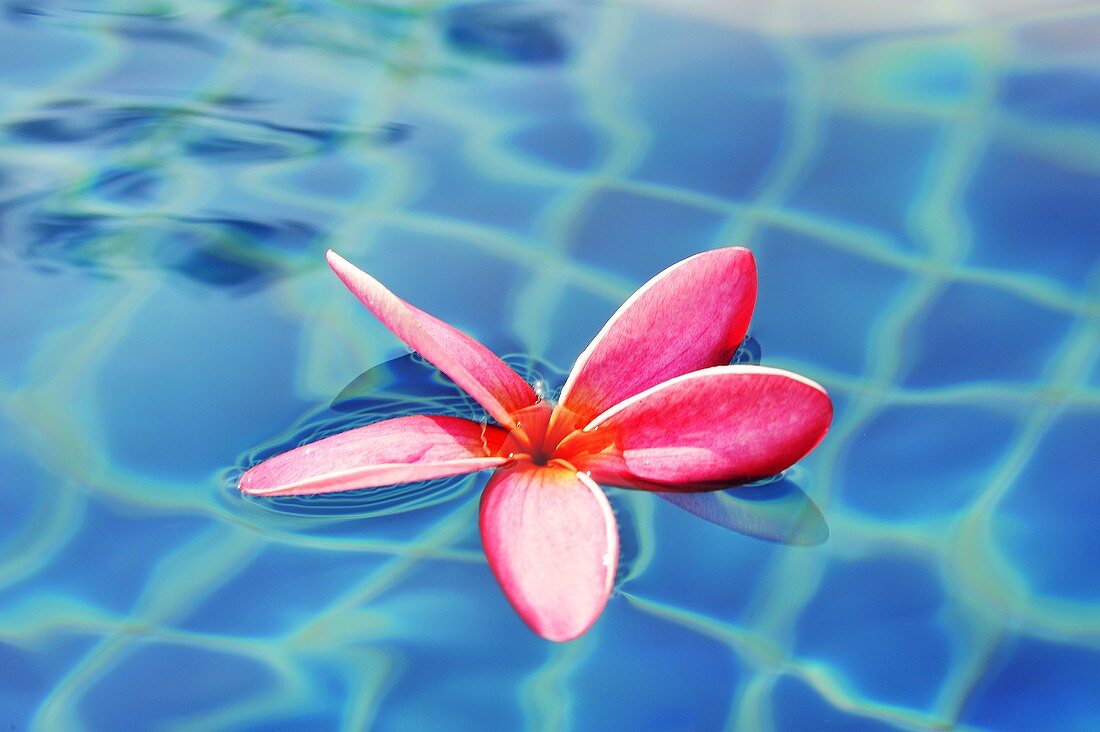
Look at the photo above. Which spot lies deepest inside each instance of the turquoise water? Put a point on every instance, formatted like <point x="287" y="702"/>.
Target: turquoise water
<point x="923" y="198"/>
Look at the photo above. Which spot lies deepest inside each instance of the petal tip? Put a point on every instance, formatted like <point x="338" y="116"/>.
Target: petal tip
<point x="245" y="483"/>
<point x="344" y="269"/>
<point x="559" y="635"/>
<point x="338" y="264"/>
<point x="561" y="630"/>
<point x="552" y="543"/>
<point x="252" y="483"/>
<point x="743" y="251"/>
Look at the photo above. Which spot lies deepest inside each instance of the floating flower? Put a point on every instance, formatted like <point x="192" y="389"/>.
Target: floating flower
<point x="651" y="404"/>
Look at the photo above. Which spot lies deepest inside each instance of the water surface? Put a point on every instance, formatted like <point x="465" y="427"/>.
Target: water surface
<point x="920" y="190"/>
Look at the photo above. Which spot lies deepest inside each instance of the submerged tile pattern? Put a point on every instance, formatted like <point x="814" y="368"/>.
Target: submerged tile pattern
<point x="923" y="205"/>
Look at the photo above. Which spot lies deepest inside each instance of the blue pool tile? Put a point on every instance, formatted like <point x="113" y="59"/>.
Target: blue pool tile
<point x="845" y="180"/>
<point x="201" y="681"/>
<point x="567" y="143"/>
<point x="875" y="621"/>
<point x="116" y="541"/>
<point x="973" y="333"/>
<point x="1063" y="94"/>
<point x="818" y="303"/>
<point x="731" y="167"/>
<point x="455" y="636"/>
<point x="32" y="670"/>
<point x="21" y="508"/>
<point x="717" y="104"/>
<point x="441" y="160"/>
<point x="40" y="511"/>
<point x="26" y="682"/>
<point x="280" y="590"/>
<point x="639" y="236"/>
<point x="332" y="177"/>
<point x="36" y="301"/>
<point x="1032" y="685"/>
<point x="1041" y="222"/>
<point x="913" y="462"/>
<point x="618" y="684"/>
<point x="1038" y="523"/>
<point x="454" y="608"/>
<point x="198" y="430"/>
<point x="690" y="561"/>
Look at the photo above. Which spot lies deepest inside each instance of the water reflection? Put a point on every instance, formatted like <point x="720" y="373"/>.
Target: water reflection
<point x="218" y="251"/>
<point x="132" y="211"/>
<point x="231" y="126"/>
<point x="82" y="121"/>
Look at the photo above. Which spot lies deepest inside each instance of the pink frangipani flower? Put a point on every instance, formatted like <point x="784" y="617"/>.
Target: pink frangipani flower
<point x="651" y="404"/>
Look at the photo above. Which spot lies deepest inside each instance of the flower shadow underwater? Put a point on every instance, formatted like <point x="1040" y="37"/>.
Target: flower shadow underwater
<point x="653" y="404"/>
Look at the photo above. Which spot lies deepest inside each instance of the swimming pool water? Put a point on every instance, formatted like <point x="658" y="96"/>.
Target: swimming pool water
<point x="922" y="193"/>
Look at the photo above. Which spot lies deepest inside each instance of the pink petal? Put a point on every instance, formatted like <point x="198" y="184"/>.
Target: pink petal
<point x="476" y="369"/>
<point x="552" y="542"/>
<point x="728" y="424"/>
<point x="400" y="450"/>
<point x="689" y="317"/>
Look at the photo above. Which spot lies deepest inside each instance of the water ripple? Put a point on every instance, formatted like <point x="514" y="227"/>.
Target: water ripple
<point x="399" y="387"/>
<point x="522" y="33"/>
<point x="220" y="251"/>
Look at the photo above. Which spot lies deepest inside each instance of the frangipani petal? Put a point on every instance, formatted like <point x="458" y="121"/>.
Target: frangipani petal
<point x="552" y="542"/>
<point x="777" y="511"/>
<point x="400" y="450"/>
<point x="476" y="369"/>
<point x="728" y="424"/>
<point x="691" y="316"/>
